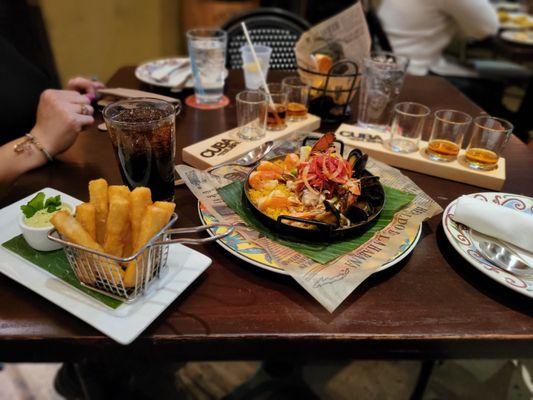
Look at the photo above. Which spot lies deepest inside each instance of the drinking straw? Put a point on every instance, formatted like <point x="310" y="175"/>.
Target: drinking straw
<point x="260" y="70"/>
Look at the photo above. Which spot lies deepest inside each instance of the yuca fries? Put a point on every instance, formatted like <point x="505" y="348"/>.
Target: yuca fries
<point x="141" y="198"/>
<point x="117" y="226"/>
<point x="115" y="222"/>
<point x="99" y="199"/>
<point x="154" y="219"/>
<point x="86" y="216"/>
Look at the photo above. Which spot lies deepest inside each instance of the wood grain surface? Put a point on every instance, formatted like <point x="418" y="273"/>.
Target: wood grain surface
<point x="433" y="304"/>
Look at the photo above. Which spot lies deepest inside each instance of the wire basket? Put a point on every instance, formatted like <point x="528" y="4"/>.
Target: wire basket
<point x="104" y="273"/>
<point x="331" y="94"/>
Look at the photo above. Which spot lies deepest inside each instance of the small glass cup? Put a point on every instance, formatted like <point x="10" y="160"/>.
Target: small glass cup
<point x="251" y="114"/>
<point x="407" y="125"/>
<point x="449" y="128"/>
<point x="489" y="137"/>
<point x="297" y="97"/>
<point x="207" y="51"/>
<point x="277" y="107"/>
<point x="252" y="76"/>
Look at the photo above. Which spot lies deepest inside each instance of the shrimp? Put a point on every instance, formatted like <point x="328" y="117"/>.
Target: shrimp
<point x="291" y="161"/>
<point x="277" y="199"/>
<point x="264" y="180"/>
<point x="269" y="166"/>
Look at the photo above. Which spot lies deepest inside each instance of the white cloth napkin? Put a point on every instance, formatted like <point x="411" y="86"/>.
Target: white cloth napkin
<point x="496" y="221"/>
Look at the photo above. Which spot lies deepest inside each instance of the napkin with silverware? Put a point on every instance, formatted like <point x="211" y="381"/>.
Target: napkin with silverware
<point x="497" y="221"/>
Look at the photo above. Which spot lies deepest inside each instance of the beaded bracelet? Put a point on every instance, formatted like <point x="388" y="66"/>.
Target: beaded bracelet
<point x="28" y="140"/>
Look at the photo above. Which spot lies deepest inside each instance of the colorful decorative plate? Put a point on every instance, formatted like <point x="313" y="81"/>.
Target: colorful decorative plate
<point x="461" y="239"/>
<point x="248" y="251"/>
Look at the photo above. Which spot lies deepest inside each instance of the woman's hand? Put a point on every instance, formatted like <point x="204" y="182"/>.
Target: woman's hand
<point x="61" y="115"/>
<point x="85" y="86"/>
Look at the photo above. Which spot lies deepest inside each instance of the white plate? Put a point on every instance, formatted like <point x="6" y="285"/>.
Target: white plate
<point x="237" y="245"/>
<point x="461" y="239"/>
<point x="520" y="37"/>
<point x="144" y="72"/>
<point x="126" y="322"/>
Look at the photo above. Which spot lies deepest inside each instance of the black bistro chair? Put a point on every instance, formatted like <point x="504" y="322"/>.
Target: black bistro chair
<point x="272" y="27"/>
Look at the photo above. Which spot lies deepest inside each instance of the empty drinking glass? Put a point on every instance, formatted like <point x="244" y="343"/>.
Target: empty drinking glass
<point x="489" y="137"/>
<point x="449" y="128"/>
<point x="207" y="51"/>
<point x="297" y="97"/>
<point x="251" y="114"/>
<point x="252" y="76"/>
<point x="407" y="125"/>
<point x="382" y="81"/>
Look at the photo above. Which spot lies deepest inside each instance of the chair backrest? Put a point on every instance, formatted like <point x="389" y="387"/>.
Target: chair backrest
<point x="273" y="27"/>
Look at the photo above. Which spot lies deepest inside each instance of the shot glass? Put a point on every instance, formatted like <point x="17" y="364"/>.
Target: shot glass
<point x="449" y="128"/>
<point x="252" y="76"/>
<point x="381" y="83"/>
<point x="277" y="107"/>
<point x="251" y="114"/>
<point x="489" y="137"/>
<point x="297" y="97"/>
<point x="207" y="51"/>
<point x="407" y="126"/>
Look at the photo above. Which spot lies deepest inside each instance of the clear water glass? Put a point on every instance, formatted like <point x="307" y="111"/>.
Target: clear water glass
<point x="207" y="51"/>
<point x="381" y="83"/>
<point x="407" y="126"/>
<point x="252" y="76"/>
<point x="251" y="114"/>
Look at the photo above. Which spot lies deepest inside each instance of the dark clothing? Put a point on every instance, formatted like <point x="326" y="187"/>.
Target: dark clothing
<point x="23" y="72"/>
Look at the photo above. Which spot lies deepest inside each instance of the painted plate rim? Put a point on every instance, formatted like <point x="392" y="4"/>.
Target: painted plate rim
<point x="258" y="264"/>
<point x="467" y="250"/>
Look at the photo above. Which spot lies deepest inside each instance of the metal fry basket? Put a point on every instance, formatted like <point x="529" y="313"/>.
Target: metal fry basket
<point x="128" y="278"/>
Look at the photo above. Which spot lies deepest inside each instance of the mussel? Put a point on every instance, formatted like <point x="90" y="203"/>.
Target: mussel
<point x="358" y="160"/>
<point x="358" y="209"/>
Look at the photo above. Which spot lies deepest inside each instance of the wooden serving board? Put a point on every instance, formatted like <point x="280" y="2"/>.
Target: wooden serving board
<point x="227" y="146"/>
<point x="372" y="142"/>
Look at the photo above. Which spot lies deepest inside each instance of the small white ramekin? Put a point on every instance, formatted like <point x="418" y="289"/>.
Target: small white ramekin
<point x="38" y="237"/>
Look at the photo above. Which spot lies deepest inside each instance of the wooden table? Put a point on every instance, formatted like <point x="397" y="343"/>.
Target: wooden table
<point x="431" y="305"/>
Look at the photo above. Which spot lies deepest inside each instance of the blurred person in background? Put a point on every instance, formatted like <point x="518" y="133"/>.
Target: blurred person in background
<point x="422" y="29"/>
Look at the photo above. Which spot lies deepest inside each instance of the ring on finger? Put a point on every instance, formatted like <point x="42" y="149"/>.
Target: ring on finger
<point x="84" y="110"/>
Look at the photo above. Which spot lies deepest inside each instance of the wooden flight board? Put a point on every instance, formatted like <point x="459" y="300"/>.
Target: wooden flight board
<point x="372" y="142"/>
<point x="227" y="146"/>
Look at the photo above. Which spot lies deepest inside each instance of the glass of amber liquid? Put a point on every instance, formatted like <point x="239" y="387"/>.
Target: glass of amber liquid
<point x="297" y="97"/>
<point x="489" y="137"/>
<point x="276" y="107"/>
<point x="449" y="128"/>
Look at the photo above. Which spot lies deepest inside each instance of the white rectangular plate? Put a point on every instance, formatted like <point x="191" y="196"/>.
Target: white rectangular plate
<point x="126" y="322"/>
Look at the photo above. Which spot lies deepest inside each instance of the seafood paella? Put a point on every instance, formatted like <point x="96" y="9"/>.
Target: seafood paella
<point x="316" y="188"/>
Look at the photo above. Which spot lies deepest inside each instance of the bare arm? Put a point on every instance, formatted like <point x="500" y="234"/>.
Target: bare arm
<point x="61" y="115"/>
<point x="476" y="18"/>
<point x="12" y="164"/>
